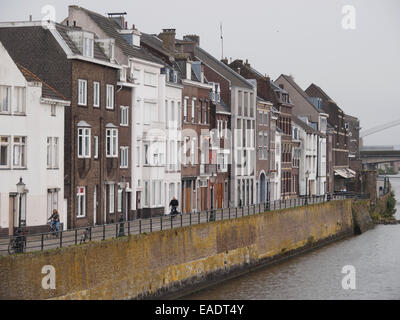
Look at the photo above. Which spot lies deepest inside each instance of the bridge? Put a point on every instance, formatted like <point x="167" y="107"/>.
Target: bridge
<point x="373" y="155"/>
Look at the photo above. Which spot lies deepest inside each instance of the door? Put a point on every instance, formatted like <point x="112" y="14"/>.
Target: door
<point x="203" y="194"/>
<point x="138" y="205"/>
<point x="188" y="198"/>
<point x="219" y="195"/>
<point x="95" y="205"/>
<point x="262" y="188"/>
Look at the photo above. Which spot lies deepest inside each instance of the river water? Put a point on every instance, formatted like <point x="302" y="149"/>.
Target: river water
<point x="375" y="256"/>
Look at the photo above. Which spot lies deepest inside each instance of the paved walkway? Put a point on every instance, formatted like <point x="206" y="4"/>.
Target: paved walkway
<point x="36" y="242"/>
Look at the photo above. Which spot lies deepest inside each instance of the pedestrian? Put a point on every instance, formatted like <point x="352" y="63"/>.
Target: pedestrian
<point x="174" y="204"/>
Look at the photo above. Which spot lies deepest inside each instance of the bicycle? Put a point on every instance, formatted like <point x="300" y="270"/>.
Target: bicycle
<point x="84" y="235"/>
<point x="17" y="243"/>
<point x="52" y="231"/>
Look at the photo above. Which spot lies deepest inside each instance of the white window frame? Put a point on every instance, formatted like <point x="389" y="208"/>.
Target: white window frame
<point x="119" y="199"/>
<point x="112" y="139"/>
<point x="19" y="100"/>
<point x="124" y="157"/>
<point x="111" y="194"/>
<point x="5" y="96"/>
<point x="81" y="193"/>
<point x="21" y="145"/>
<point x="96" y="147"/>
<point x="124" y="116"/>
<point x="85" y="135"/>
<point x="88" y="47"/>
<point x="82" y="92"/>
<point x="52" y="152"/>
<point x="109" y="96"/>
<point x="8" y="146"/>
<point x="96" y="94"/>
<point x="185" y="113"/>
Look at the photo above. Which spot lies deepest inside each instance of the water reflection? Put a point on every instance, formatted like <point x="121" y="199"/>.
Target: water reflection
<point x="317" y="275"/>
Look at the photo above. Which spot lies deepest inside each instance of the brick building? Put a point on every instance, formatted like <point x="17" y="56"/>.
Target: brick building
<point x="340" y="137"/>
<point x="270" y="91"/>
<point x="89" y="80"/>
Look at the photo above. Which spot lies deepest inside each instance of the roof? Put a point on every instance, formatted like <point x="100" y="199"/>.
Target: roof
<point x="63" y="31"/>
<point x="220" y="67"/>
<point x="295" y="86"/>
<point x="305" y="126"/>
<point x="110" y="27"/>
<point x="221" y="107"/>
<point x="47" y="90"/>
<point x="155" y="42"/>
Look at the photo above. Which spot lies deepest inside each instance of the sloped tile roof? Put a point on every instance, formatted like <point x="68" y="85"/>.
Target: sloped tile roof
<point x="47" y="90"/>
<point x="111" y="29"/>
<point x="235" y="78"/>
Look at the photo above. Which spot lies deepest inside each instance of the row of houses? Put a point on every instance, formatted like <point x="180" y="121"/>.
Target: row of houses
<point x="104" y="122"/>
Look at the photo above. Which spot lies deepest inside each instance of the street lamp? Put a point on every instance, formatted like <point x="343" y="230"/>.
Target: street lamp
<point x="20" y="191"/>
<point x="122" y="185"/>
<point x="307" y="176"/>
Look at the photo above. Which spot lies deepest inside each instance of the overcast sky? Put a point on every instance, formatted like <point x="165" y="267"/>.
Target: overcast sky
<point x="358" y="68"/>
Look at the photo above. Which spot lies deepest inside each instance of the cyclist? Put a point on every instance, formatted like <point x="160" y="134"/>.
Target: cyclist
<point x="55" y="220"/>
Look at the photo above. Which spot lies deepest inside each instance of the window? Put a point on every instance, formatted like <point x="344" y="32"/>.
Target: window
<point x="193" y="110"/>
<point x="4" y="151"/>
<point x="5" y="99"/>
<point x="110" y="97"/>
<point x="150" y="79"/>
<point x="84" y="143"/>
<point x="199" y="113"/>
<point x="88" y="47"/>
<point x="265" y="118"/>
<point x="124" y="116"/>
<point x="146" y="193"/>
<point x="53" y="110"/>
<point x="124" y="157"/>
<point x="137" y="156"/>
<point x="82" y="92"/>
<point x="96" y="146"/>
<point x="52" y="153"/>
<point x="52" y="201"/>
<point x="19" y="100"/>
<point x="205" y="113"/>
<point x="150" y="112"/>
<point x="81" y="201"/>
<point x="119" y="201"/>
<point x="19" y="152"/>
<point x="146" y="154"/>
<point x="96" y="94"/>
<point x="112" y="197"/>
<point x="185" y="117"/>
<point x="111" y="143"/>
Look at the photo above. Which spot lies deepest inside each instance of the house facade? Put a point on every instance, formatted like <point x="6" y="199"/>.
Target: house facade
<point x="31" y="148"/>
<point x="316" y="118"/>
<point x="340" y="136"/>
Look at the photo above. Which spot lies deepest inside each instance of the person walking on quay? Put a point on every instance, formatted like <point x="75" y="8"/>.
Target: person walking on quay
<point x="174" y="204"/>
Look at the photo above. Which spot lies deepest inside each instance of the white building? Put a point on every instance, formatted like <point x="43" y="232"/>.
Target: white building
<point x="310" y="148"/>
<point x="31" y="148"/>
<point x="243" y="96"/>
<point x="276" y="177"/>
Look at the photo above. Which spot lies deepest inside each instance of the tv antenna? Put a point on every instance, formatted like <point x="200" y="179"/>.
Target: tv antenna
<point x="222" y="41"/>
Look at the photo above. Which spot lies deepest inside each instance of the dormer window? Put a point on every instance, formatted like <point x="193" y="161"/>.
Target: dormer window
<point x="88" y="47"/>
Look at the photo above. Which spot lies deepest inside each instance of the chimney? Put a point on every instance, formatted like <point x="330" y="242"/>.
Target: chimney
<point x="247" y="64"/>
<point x="192" y="37"/>
<point x="168" y="38"/>
<point x="30" y="17"/>
<point x="225" y="60"/>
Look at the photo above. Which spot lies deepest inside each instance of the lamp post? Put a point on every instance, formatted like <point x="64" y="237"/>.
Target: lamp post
<point x="122" y="185"/>
<point x="307" y="175"/>
<point x="20" y="191"/>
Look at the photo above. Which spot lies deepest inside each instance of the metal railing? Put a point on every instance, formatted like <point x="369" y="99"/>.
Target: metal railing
<point x="52" y="240"/>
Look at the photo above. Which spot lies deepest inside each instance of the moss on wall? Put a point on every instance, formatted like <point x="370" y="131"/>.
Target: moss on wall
<point x="159" y="262"/>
